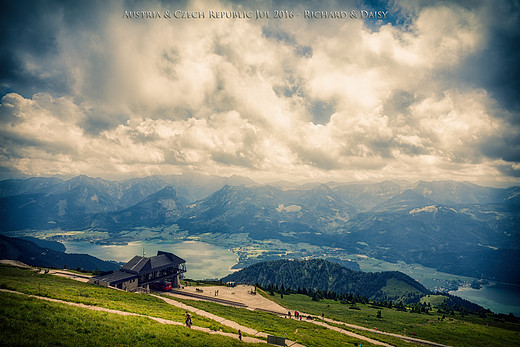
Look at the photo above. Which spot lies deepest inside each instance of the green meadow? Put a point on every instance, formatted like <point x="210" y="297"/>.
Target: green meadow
<point x="29" y="282"/>
<point x="30" y="321"/>
<point x="302" y="332"/>
<point x="454" y="330"/>
<point x="26" y="321"/>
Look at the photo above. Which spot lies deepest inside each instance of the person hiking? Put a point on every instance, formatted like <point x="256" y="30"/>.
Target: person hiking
<point x="188" y="320"/>
<point x="239" y="335"/>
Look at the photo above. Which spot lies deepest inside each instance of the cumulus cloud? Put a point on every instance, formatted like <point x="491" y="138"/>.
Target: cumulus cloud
<point x="302" y="99"/>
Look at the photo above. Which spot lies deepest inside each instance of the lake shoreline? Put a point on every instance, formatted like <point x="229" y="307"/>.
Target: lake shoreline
<point x="496" y="296"/>
<point x="203" y="260"/>
<point x="206" y="260"/>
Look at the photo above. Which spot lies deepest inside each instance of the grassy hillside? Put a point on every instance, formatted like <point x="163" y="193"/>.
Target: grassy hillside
<point x="302" y="332"/>
<point x="325" y="276"/>
<point x="29" y="282"/>
<point x="29" y="322"/>
<point x="453" y="330"/>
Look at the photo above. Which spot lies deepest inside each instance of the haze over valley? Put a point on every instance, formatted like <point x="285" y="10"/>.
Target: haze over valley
<point x="453" y="227"/>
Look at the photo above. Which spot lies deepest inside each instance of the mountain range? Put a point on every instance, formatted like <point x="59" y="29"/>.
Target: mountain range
<point x="456" y="227"/>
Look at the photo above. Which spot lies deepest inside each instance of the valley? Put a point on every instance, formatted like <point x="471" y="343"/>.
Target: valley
<point x="445" y="234"/>
<point x="245" y="250"/>
<point x="213" y="256"/>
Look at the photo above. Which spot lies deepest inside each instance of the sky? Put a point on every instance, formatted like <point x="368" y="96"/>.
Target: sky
<point x="429" y="91"/>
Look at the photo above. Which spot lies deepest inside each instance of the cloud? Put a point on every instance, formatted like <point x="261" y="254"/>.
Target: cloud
<point x="300" y="99"/>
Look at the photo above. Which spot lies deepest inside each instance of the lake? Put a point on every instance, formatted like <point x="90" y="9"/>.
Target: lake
<point x="203" y="261"/>
<point x="498" y="297"/>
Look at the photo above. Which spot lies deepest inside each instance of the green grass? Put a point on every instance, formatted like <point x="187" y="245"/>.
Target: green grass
<point x="29" y="282"/>
<point x="395" y="288"/>
<point x="394" y="341"/>
<point x="303" y="332"/>
<point x="453" y="330"/>
<point x="434" y="300"/>
<point x="38" y="318"/>
<point x="28" y="321"/>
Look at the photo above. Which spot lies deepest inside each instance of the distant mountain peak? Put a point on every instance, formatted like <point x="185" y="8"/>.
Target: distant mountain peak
<point x="167" y="192"/>
<point x="405" y="201"/>
<point x="323" y="187"/>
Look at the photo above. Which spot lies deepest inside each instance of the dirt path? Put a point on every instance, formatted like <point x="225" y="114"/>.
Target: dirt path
<point x="72" y="275"/>
<point x="223" y="321"/>
<point x="250" y="331"/>
<point x="402" y="337"/>
<point x="123" y="313"/>
<point x="358" y="327"/>
<point x="14" y="263"/>
<point x="350" y="333"/>
<point x="42" y="270"/>
<point x="242" y="295"/>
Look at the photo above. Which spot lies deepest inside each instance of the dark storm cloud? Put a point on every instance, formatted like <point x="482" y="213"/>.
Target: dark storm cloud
<point x="14" y="144"/>
<point x="94" y="93"/>
<point x="317" y="157"/>
<point x="97" y="121"/>
<point x="29" y="42"/>
<point x="506" y="147"/>
<point x="28" y="31"/>
<point x="509" y="170"/>
<point x="398" y="102"/>
<point x="496" y="67"/>
<point x="321" y="112"/>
